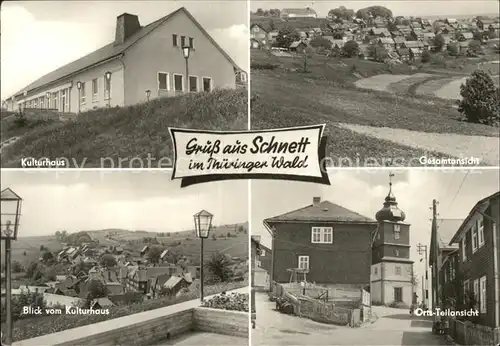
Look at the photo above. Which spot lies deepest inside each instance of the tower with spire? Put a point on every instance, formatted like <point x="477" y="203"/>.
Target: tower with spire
<point x="392" y="269"/>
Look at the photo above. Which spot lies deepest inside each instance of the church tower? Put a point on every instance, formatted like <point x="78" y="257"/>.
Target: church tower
<point x="392" y="268"/>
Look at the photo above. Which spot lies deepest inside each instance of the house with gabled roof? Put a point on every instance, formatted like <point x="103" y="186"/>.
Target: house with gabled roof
<point x="314" y="238"/>
<point x="380" y="32"/>
<point x="118" y="74"/>
<point x="478" y="237"/>
<point x="483" y="24"/>
<point x="440" y="250"/>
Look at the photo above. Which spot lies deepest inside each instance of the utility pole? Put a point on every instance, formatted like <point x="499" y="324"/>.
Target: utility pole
<point x="422" y="250"/>
<point x="435" y="264"/>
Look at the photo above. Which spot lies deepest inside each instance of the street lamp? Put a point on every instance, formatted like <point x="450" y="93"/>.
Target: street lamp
<point x="79" y="87"/>
<point x="9" y="225"/>
<point x="47" y="96"/>
<point x="107" y="78"/>
<point x="186" y="51"/>
<point x="202" y="225"/>
<point x="148" y="93"/>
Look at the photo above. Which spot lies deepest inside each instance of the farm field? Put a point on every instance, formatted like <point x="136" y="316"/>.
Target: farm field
<point x="184" y="242"/>
<point x="285" y="96"/>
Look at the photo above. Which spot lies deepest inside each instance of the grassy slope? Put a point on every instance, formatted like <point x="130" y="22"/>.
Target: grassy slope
<point x="284" y="97"/>
<point x="31" y="245"/>
<point x="128" y="132"/>
<point x="235" y="246"/>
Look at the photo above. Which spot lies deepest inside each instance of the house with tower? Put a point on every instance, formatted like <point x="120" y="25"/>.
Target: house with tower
<point x="392" y="268"/>
<point x="327" y="242"/>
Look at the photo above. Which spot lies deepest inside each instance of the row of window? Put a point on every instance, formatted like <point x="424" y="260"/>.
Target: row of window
<point x="57" y="100"/>
<point x="185" y="41"/>
<point x="477" y="238"/>
<point x="178" y="83"/>
<point x="479" y="291"/>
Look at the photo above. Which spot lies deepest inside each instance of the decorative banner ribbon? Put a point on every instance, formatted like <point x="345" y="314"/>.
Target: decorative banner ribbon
<point x="296" y="153"/>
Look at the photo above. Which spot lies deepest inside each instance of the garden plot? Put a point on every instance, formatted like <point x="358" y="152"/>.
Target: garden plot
<point x="404" y="85"/>
<point x="429" y="88"/>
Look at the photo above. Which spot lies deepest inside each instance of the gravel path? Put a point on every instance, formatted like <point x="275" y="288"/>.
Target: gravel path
<point x="479" y="147"/>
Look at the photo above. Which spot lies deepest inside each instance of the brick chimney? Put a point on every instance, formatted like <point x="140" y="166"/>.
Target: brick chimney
<point x="126" y="25"/>
<point x="316" y="201"/>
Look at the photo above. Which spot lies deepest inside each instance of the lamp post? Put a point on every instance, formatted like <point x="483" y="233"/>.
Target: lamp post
<point x="186" y="51"/>
<point x="107" y="78"/>
<point x="9" y="224"/>
<point x="202" y="225"/>
<point x="148" y="93"/>
<point x="79" y="87"/>
<point x="47" y="96"/>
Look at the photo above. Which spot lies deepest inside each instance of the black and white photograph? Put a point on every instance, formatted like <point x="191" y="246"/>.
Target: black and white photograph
<point x="397" y="83"/>
<point x="367" y="260"/>
<point x="123" y="258"/>
<point x="98" y="86"/>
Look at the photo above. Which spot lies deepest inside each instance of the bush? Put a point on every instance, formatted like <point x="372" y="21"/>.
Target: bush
<point x="33" y="300"/>
<point x="231" y="301"/>
<point x="480" y="99"/>
<point x="426" y="56"/>
<point x="398" y="305"/>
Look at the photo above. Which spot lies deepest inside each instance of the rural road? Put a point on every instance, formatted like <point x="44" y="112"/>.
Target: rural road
<point x="458" y="146"/>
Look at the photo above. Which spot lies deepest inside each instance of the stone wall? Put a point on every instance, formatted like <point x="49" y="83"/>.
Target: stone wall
<point x="234" y="323"/>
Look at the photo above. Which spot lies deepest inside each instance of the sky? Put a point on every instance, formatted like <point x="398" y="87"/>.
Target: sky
<point x="363" y="192"/>
<point x="41" y="36"/>
<point x="398" y="8"/>
<point x="94" y="200"/>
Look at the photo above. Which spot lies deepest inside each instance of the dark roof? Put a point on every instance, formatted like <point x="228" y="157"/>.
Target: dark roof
<point x="324" y="211"/>
<point x="111" y="51"/>
<point x="446" y="229"/>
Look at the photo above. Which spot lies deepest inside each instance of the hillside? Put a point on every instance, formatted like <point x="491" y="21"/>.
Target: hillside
<point x="122" y="133"/>
<point x="182" y="243"/>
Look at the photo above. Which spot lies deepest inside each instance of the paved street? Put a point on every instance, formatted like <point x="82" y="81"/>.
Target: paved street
<point x="393" y="327"/>
<point x="206" y="339"/>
